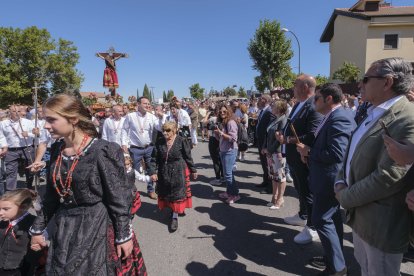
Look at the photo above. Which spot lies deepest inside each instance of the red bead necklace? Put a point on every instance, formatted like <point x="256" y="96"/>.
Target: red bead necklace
<point x="63" y="189"/>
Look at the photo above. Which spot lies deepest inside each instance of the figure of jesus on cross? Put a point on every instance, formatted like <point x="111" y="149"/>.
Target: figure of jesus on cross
<point x="110" y="78"/>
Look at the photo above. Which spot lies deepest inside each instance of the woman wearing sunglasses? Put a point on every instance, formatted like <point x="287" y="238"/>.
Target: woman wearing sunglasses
<point x="171" y="165"/>
<point x="228" y="151"/>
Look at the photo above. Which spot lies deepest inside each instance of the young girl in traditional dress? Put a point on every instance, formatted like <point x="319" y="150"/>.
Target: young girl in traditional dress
<point x="15" y="221"/>
<point x="89" y="196"/>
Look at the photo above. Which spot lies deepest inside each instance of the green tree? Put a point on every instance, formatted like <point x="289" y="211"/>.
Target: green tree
<point x="270" y="52"/>
<point x="229" y="91"/>
<point x="146" y="93"/>
<point x="260" y="83"/>
<point x="170" y="95"/>
<point x="196" y="91"/>
<point x="164" y="96"/>
<point x="286" y="81"/>
<point x="321" y="80"/>
<point x="31" y="55"/>
<point x="242" y="92"/>
<point x="347" y="73"/>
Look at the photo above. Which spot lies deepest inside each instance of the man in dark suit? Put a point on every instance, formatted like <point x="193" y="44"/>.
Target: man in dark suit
<point x="263" y="120"/>
<point x="305" y="120"/>
<point x="325" y="158"/>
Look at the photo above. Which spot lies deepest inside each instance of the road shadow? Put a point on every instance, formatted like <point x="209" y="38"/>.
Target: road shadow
<point x="261" y="239"/>
<point x="244" y="236"/>
<point x="223" y="267"/>
<point x="151" y="211"/>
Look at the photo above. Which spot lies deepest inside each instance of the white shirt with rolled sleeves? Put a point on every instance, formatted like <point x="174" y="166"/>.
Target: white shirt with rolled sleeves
<point x="138" y="129"/>
<point x="3" y="142"/>
<point x="183" y="118"/>
<point x="45" y="137"/>
<point x="112" y="130"/>
<point x="9" y="129"/>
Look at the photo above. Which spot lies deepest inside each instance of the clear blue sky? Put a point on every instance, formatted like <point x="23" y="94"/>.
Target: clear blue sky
<point x="173" y="44"/>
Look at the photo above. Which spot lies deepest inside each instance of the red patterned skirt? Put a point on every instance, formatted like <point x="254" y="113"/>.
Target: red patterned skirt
<point x="179" y="206"/>
<point x="133" y="266"/>
<point x="110" y="78"/>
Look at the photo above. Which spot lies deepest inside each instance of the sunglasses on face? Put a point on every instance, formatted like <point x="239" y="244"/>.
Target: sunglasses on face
<point x="223" y="111"/>
<point x="167" y="130"/>
<point x="366" y="78"/>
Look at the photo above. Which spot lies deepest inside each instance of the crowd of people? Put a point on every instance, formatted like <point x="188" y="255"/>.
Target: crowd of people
<point x="337" y="149"/>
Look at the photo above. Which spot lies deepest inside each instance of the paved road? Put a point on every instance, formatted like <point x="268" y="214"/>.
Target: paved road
<point x="217" y="239"/>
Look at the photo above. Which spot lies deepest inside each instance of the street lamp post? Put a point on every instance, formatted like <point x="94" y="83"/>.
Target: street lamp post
<point x="286" y="30"/>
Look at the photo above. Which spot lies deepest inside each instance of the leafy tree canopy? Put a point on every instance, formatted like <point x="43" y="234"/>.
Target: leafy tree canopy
<point x="170" y="95"/>
<point x="270" y="52"/>
<point x="242" y="92"/>
<point x="347" y="73"/>
<point x="285" y="81"/>
<point x="31" y="55"/>
<point x="196" y="91"/>
<point x="320" y="80"/>
<point x="229" y="91"/>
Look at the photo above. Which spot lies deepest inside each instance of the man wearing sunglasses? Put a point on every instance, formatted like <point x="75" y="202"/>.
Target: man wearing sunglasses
<point x="371" y="185"/>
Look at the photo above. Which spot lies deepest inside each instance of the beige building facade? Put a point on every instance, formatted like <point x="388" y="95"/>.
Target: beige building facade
<point x="368" y="31"/>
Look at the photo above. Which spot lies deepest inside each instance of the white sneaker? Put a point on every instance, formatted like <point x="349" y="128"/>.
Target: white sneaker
<point x="289" y="178"/>
<point x="306" y="236"/>
<point x="295" y="220"/>
<point x="215" y="182"/>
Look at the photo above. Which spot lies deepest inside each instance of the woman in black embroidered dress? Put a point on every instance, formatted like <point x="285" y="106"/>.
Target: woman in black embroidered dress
<point x="88" y="194"/>
<point x="172" y="158"/>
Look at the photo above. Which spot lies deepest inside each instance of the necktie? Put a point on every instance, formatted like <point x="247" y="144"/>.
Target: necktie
<point x="10" y="228"/>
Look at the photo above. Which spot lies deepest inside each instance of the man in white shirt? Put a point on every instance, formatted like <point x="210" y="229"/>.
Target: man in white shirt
<point x="111" y="130"/>
<point x="181" y="117"/>
<point x="202" y="112"/>
<point x="18" y="133"/>
<point x="3" y="151"/>
<point x="139" y="130"/>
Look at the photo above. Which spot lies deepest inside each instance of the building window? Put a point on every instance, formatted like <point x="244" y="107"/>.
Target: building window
<point x="390" y="41"/>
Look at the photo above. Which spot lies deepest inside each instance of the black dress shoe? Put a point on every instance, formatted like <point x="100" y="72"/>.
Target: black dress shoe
<point x="409" y="255"/>
<point x="318" y="262"/>
<point x="174" y="225"/>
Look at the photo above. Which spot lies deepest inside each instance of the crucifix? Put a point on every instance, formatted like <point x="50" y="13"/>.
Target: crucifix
<point x="37" y="204"/>
<point x="110" y="79"/>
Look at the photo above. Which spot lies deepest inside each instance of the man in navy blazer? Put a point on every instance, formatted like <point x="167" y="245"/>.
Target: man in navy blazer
<point x="264" y="119"/>
<point x="305" y="120"/>
<point x="324" y="159"/>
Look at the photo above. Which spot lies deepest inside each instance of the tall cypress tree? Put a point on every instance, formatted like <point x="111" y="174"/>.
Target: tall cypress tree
<point x="147" y="93"/>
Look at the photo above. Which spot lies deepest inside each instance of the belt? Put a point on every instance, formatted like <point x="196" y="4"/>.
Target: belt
<point x="141" y="148"/>
<point x="18" y="148"/>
